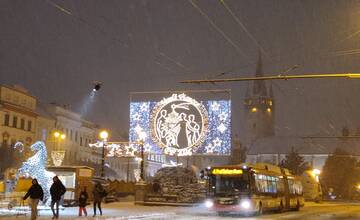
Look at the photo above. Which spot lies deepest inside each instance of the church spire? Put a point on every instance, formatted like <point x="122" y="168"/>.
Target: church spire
<point x="259" y="85"/>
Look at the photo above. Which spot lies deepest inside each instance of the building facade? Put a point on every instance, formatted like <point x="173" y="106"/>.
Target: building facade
<point x="17" y="115"/>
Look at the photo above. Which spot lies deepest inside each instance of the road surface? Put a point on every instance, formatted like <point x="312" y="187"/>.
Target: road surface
<point x="126" y="210"/>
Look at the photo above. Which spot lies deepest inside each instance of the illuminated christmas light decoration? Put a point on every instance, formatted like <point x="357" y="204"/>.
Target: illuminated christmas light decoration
<point x="147" y="148"/>
<point x="219" y="112"/>
<point x="19" y="146"/>
<point x="222" y="128"/>
<point x="223" y="116"/>
<point x="57" y="157"/>
<point x="215" y="106"/>
<point x="137" y="173"/>
<point x="175" y="115"/>
<point x="34" y="167"/>
<point x="130" y="150"/>
<point x="121" y="150"/>
<point x="217" y="142"/>
<point x="210" y="148"/>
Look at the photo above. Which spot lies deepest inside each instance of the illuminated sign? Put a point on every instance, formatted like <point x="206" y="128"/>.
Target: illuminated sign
<point x="227" y="172"/>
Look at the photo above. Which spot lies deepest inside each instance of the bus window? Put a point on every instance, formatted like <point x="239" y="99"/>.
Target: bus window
<point x="280" y="185"/>
<point x="232" y="184"/>
<point x="261" y="183"/>
<point x="298" y="188"/>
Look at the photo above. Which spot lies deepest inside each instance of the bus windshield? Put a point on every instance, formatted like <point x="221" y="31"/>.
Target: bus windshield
<point x="230" y="185"/>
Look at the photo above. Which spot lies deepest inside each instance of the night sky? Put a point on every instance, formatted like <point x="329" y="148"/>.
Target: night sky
<point x="56" y="49"/>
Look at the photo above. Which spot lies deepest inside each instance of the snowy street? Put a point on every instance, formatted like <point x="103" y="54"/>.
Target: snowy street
<point x="127" y="210"/>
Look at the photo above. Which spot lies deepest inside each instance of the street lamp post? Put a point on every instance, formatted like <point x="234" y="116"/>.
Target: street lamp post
<point x="103" y="135"/>
<point x="142" y="136"/>
<point x="142" y="160"/>
<point x="58" y="155"/>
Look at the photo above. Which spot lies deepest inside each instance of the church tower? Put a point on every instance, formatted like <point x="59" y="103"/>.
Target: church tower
<point x="259" y="107"/>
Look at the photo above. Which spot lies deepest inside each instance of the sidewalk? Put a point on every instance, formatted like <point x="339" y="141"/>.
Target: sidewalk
<point x="111" y="211"/>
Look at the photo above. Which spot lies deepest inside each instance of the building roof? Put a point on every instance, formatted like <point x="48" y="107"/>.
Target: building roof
<point x="304" y="145"/>
<point x="19" y="88"/>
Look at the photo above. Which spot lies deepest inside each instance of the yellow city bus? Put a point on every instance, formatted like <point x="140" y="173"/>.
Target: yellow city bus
<point x="252" y="189"/>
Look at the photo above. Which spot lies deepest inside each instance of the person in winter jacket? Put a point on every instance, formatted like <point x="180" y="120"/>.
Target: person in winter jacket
<point x="57" y="190"/>
<point x="98" y="193"/>
<point x="35" y="193"/>
<point x="83" y="201"/>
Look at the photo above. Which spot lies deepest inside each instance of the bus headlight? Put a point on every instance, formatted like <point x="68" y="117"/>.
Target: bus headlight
<point x="245" y="204"/>
<point x="209" y="203"/>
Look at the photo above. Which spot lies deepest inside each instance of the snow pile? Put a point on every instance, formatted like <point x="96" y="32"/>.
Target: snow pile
<point x="181" y="184"/>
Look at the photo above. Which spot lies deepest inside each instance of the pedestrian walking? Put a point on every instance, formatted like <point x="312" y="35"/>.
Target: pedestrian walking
<point x="57" y="190"/>
<point x="35" y="193"/>
<point x="98" y="193"/>
<point x="83" y="201"/>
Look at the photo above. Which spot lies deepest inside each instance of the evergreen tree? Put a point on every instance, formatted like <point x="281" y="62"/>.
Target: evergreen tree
<point x="340" y="173"/>
<point x="294" y="162"/>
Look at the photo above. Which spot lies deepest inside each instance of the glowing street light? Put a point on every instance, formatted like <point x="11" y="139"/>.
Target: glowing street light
<point x="56" y="134"/>
<point x="358" y="186"/>
<point x="316" y="173"/>
<point x="104" y="135"/>
<point x="58" y="155"/>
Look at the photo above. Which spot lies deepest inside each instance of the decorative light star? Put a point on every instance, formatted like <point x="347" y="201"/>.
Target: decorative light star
<point x="217" y="142"/>
<point x="144" y="107"/>
<point x="215" y="106"/>
<point x="210" y="148"/>
<point x="223" y="116"/>
<point x="136" y="117"/>
<point x="130" y="150"/>
<point x="138" y="129"/>
<point x="222" y="128"/>
<point x="147" y="148"/>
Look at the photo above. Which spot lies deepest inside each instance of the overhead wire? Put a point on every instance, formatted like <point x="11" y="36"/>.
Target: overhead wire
<point x="223" y="34"/>
<point x="243" y="27"/>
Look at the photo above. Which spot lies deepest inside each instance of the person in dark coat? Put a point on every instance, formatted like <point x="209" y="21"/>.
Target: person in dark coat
<point x="57" y="190"/>
<point x="35" y="193"/>
<point x="98" y="193"/>
<point x="83" y="201"/>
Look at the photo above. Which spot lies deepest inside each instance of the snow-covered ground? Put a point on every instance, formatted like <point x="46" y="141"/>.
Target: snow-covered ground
<point x="127" y="210"/>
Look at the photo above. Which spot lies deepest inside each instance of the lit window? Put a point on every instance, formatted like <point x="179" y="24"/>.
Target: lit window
<point x="6" y="119"/>
<point x="270" y="103"/>
<point x="22" y="124"/>
<point x="254" y="109"/>
<point x="14" y="121"/>
<point x="29" y="126"/>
